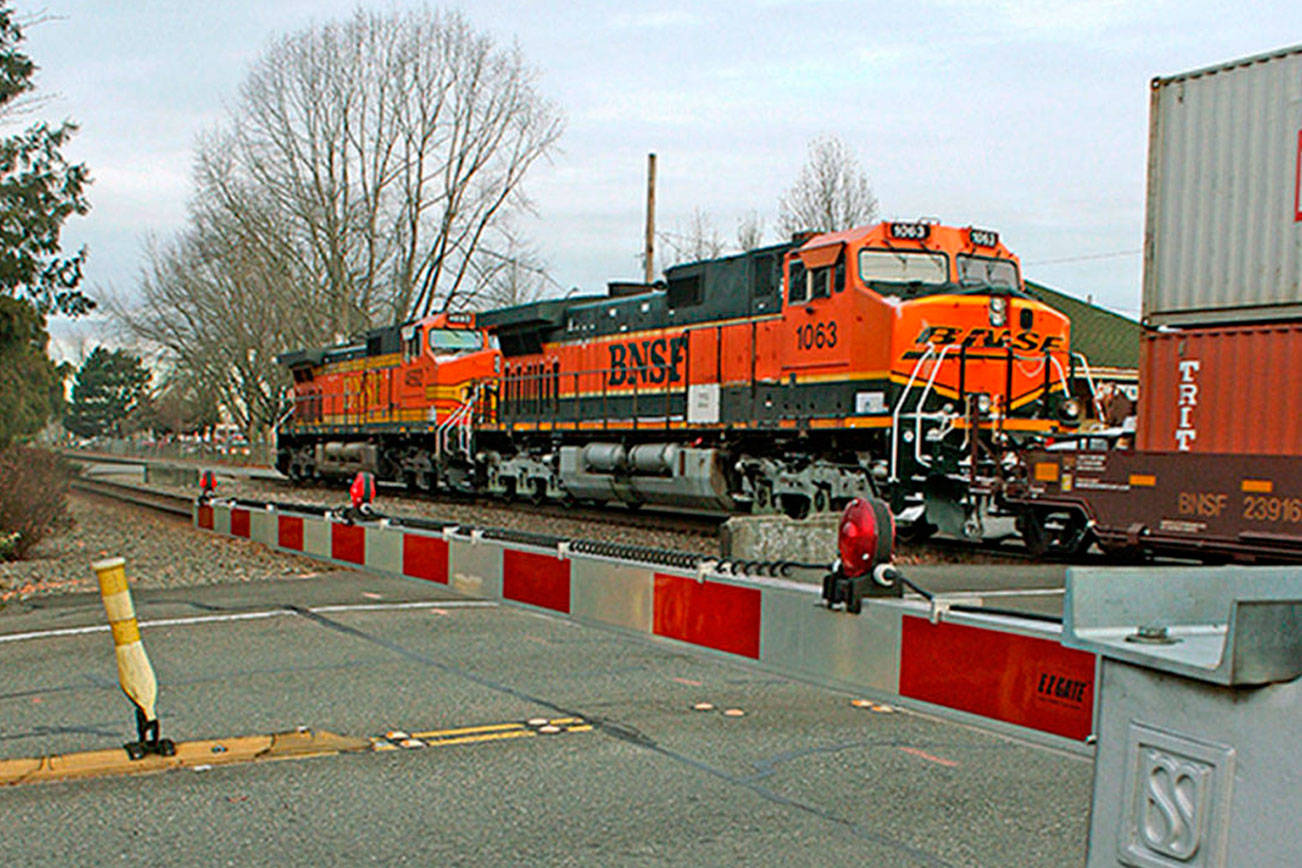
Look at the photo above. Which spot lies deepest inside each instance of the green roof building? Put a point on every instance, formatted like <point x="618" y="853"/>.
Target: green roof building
<point x="1108" y="340"/>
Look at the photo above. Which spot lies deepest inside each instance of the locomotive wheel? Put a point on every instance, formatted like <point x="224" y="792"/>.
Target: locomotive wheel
<point x="538" y="495"/>
<point x="763" y="498"/>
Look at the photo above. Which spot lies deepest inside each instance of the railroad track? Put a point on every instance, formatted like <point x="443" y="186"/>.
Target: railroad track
<point x="162" y="501"/>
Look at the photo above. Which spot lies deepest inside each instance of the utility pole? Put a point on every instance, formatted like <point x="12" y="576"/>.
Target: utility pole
<point x="649" y="252"/>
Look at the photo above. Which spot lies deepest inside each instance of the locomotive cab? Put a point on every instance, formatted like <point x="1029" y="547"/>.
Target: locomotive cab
<point x="924" y="333"/>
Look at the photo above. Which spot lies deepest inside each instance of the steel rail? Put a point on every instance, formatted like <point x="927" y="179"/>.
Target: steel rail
<point x="151" y="498"/>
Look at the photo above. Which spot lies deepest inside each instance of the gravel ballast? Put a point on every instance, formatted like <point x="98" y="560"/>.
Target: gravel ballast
<point x="161" y="552"/>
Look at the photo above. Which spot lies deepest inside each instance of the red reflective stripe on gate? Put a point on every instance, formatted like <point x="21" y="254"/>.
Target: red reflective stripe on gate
<point x="289" y="532"/>
<point x="205" y="517"/>
<point x="348" y="543"/>
<point x="539" y="580"/>
<point x="425" y="557"/>
<point x="719" y="616"/>
<point x="1024" y="680"/>
<point x="240" y="523"/>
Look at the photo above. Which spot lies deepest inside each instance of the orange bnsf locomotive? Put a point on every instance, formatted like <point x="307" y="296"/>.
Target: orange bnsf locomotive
<point x="900" y="358"/>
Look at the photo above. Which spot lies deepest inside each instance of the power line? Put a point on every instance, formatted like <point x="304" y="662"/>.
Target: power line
<point x="1112" y="255"/>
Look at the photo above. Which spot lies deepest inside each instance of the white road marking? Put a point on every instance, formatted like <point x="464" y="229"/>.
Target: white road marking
<point x="253" y="616"/>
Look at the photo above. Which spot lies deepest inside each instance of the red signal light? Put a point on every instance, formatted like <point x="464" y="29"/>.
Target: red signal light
<point x="207" y="482"/>
<point x="362" y="490"/>
<point x="865" y="536"/>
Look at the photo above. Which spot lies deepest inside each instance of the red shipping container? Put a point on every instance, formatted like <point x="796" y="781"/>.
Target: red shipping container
<point x="1222" y="390"/>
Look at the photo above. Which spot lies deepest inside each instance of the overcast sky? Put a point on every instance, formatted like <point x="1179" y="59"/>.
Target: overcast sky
<point x="1027" y="116"/>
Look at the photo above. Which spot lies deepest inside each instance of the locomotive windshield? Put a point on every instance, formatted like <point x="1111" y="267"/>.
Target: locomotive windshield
<point x="455" y="340"/>
<point x="984" y="271"/>
<point x="903" y="266"/>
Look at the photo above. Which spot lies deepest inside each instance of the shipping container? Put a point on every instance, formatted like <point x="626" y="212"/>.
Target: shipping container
<point x="1234" y="389"/>
<point x="1224" y="206"/>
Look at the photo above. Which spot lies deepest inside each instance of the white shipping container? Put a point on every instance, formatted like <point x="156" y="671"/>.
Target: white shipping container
<point x="1224" y="219"/>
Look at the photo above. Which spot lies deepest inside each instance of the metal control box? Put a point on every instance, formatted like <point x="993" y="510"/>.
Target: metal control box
<point x="1200" y="713"/>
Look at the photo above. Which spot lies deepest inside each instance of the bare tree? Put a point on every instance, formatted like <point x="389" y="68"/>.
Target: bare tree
<point x="393" y="145"/>
<point x="207" y="311"/>
<point x="367" y="174"/>
<point x="695" y="240"/>
<point x="830" y="193"/>
<point x="750" y="231"/>
<point x="515" y="275"/>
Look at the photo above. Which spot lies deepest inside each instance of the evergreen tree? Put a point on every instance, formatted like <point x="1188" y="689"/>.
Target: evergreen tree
<point x="38" y="192"/>
<point x="30" y="384"/>
<point x="109" y="386"/>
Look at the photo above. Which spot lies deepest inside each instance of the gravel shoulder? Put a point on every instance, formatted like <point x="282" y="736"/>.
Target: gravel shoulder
<point x="161" y="552"/>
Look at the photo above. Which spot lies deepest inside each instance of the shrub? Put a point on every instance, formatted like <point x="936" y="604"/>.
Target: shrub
<point x="33" y="498"/>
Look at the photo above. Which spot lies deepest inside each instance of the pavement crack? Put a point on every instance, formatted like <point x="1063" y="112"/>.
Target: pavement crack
<point x="631" y="735"/>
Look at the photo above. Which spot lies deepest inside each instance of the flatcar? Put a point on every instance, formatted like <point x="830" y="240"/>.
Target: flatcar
<point x="901" y="359"/>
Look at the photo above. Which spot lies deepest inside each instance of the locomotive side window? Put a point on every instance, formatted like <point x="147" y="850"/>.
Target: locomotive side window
<point x="797" y="284"/>
<point x="685" y="292"/>
<point x="412" y="347"/>
<point x="820" y="282"/>
<point x="903" y="266"/>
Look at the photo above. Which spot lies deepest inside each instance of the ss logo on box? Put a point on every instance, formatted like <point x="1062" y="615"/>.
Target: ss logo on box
<point x="1175" y="808"/>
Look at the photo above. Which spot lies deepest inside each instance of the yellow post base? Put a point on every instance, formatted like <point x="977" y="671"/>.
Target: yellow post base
<point x="189" y="754"/>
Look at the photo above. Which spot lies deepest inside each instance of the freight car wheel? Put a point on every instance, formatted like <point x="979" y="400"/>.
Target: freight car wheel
<point x="822" y="502"/>
<point x="1030" y="527"/>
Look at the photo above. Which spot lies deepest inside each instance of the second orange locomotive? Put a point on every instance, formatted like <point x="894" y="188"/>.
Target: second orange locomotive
<point x="901" y="358"/>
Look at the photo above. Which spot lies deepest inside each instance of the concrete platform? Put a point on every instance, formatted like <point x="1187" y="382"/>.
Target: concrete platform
<point x="801" y="775"/>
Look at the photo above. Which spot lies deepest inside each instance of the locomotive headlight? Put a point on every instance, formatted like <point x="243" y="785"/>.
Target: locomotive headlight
<point x="998" y="311"/>
<point x="1070" y="412"/>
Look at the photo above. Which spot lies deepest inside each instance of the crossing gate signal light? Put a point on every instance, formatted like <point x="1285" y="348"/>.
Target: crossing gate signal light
<point x="362" y="491"/>
<point x="865" y="542"/>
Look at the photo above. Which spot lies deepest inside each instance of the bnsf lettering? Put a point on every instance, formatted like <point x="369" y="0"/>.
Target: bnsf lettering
<point x="1205" y="504"/>
<point x="655" y="360"/>
<point x="989" y="339"/>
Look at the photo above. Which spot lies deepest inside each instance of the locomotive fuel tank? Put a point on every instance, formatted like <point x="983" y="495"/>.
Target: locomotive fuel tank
<point x="337" y="457"/>
<point x="655" y="473"/>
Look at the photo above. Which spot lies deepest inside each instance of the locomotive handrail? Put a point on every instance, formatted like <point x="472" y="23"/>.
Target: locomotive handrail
<point x="899" y="406"/>
<point x="1062" y="377"/>
<point x="922" y="400"/>
<point x="1089" y="379"/>
<point x="514" y="405"/>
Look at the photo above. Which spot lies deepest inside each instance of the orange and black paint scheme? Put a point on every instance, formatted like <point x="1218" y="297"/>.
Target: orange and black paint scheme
<point x="872" y="359"/>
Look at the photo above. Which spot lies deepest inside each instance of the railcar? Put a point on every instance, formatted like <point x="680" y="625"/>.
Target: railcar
<point x="902" y="359"/>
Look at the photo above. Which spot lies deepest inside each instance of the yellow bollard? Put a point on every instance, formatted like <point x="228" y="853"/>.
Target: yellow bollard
<point x="135" y="673"/>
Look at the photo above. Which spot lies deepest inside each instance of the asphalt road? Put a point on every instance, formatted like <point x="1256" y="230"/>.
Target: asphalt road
<point x="801" y="777"/>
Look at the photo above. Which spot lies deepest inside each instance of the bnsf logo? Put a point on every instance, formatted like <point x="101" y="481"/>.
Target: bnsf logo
<point x="651" y="361"/>
<point x="989" y="339"/>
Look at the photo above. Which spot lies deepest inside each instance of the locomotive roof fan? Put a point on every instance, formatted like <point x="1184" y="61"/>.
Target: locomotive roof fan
<point x="865" y="541"/>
